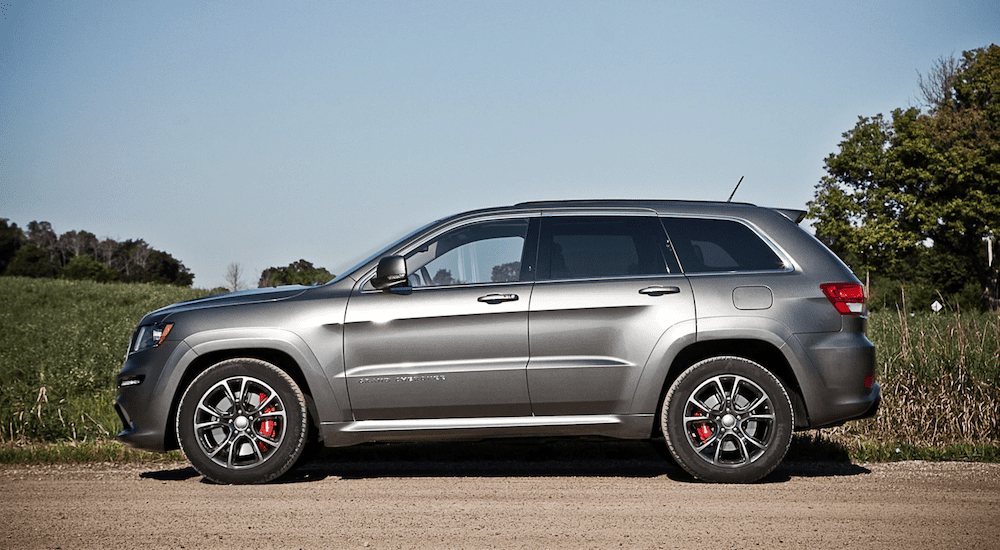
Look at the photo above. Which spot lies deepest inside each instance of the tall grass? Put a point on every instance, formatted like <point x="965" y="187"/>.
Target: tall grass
<point x="940" y="375"/>
<point x="63" y="342"/>
<point x="61" y="345"/>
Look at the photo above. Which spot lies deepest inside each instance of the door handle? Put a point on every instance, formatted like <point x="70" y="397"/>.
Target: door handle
<point x="660" y="290"/>
<point x="497" y="298"/>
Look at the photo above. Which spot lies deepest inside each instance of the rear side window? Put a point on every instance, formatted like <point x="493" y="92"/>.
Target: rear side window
<point x="712" y="246"/>
<point x="583" y="247"/>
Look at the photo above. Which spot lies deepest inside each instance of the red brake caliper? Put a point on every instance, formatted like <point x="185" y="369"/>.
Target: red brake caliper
<point x="267" y="426"/>
<point x="703" y="431"/>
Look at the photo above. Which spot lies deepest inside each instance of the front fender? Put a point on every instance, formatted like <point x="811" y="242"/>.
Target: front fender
<point x="329" y="405"/>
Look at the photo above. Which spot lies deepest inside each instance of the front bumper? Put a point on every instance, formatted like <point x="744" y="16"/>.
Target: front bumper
<point x="146" y="408"/>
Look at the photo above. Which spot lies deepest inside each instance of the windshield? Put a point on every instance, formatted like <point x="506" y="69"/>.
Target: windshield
<point x="349" y="267"/>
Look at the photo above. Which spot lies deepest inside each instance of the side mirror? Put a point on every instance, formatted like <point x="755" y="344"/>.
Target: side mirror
<point x="391" y="272"/>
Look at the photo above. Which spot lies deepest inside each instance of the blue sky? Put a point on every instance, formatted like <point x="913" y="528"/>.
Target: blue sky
<point x="266" y="132"/>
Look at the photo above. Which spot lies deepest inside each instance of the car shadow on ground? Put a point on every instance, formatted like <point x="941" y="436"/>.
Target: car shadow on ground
<point x="515" y="458"/>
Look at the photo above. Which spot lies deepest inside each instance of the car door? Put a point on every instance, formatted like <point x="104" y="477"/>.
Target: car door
<point x="454" y="341"/>
<point x="607" y="289"/>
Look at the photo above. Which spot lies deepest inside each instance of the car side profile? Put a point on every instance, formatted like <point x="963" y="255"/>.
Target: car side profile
<point x="712" y="329"/>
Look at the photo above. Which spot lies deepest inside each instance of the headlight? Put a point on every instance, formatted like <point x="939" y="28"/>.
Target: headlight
<point x="148" y="336"/>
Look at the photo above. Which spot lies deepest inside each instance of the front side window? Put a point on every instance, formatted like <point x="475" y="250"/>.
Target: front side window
<point x="583" y="247"/>
<point x="487" y="252"/>
<point x="714" y="246"/>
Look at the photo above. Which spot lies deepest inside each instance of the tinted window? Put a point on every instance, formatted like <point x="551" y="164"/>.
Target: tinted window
<point x="577" y="247"/>
<point x="719" y="245"/>
<point x="488" y="252"/>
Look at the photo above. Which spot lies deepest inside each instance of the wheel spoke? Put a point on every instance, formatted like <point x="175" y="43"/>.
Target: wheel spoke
<point x="225" y="443"/>
<point x="212" y="424"/>
<point x="714" y="438"/>
<point x="753" y="406"/>
<point x="721" y="391"/>
<point x="212" y="411"/>
<point x="759" y="444"/>
<point x="742" y="446"/>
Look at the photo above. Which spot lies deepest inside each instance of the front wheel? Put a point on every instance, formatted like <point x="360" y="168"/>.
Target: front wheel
<point x="242" y="421"/>
<point x="728" y="420"/>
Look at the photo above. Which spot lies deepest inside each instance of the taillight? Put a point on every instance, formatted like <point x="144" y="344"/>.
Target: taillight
<point x="848" y="298"/>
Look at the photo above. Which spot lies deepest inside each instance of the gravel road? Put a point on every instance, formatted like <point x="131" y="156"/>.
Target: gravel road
<point x="622" y="501"/>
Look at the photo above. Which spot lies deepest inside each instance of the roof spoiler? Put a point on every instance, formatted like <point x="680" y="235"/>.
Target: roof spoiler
<point x="795" y="215"/>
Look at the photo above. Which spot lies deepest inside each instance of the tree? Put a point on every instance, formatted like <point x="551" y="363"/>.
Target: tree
<point x="32" y="261"/>
<point x="11" y="239"/>
<point x="84" y="266"/>
<point x="76" y="243"/>
<point x="296" y="273"/>
<point x="921" y="186"/>
<point x="234" y="278"/>
<point x="938" y="86"/>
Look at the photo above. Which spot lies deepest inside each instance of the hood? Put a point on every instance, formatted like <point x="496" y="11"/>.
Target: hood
<point x="254" y="296"/>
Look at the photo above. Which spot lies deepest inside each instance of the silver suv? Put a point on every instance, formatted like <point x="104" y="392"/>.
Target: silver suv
<point x="713" y="329"/>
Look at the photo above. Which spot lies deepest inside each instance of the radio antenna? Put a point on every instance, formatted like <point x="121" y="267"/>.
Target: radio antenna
<point x="734" y="189"/>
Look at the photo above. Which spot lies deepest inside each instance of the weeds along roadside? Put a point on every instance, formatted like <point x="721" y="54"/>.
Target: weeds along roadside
<point x="63" y="342"/>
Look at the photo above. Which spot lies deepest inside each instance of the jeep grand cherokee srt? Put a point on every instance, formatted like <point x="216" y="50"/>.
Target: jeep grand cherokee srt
<point x="713" y="329"/>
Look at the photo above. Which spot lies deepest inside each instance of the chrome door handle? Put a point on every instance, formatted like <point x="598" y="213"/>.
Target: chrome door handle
<point x="497" y="298"/>
<point x="660" y="290"/>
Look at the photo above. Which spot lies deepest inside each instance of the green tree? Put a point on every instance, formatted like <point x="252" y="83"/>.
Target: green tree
<point x="296" y="273"/>
<point x="32" y="261"/>
<point x="905" y="196"/>
<point x="84" y="266"/>
<point x="11" y="239"/>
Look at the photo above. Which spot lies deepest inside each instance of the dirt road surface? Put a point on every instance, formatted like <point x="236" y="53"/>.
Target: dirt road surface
<point x="619" y="502"/>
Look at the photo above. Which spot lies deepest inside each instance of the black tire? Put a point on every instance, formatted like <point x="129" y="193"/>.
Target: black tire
<point x="242" y="421"/>
<point x="747" y="424"/>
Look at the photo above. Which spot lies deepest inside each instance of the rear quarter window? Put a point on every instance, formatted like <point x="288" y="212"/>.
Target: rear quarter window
<point x="717" y="246"/>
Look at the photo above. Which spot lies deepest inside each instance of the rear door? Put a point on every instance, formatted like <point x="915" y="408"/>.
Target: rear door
<point x="607" y="288"/>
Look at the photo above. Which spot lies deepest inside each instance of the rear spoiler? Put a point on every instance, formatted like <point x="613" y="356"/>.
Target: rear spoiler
<point x="795" y="215"/>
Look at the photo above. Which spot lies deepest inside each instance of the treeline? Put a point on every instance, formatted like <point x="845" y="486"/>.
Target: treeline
<point x="296" y="273"/>
<point x="38" y="252"/>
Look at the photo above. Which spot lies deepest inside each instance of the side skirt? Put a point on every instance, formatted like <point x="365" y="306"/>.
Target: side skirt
<point x="342" y="434"/>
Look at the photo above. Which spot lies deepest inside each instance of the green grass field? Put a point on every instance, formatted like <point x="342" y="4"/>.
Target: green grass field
<point x="63" y="342"/>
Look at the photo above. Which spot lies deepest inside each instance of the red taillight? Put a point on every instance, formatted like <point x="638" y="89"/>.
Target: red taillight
<point x="848" y="298"/>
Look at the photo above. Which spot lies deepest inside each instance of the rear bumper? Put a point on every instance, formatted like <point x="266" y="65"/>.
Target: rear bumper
<point x="838" y="364"/>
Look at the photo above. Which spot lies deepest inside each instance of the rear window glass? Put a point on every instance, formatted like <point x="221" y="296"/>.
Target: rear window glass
<point x="601" y="246"/>
<point x="711" y="246"/>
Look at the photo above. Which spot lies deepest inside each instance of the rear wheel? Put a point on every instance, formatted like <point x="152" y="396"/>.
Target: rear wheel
<point x="727" y="419"/>
<point x="242" y="421"/>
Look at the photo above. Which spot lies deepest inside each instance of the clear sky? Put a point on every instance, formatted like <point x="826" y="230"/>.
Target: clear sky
<point x="266" y="132"/>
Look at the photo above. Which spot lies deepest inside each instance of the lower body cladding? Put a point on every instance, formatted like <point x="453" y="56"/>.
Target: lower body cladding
<point x="339" y="434"/>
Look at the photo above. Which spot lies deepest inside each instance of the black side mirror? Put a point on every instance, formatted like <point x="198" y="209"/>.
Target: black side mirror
<point x="391" y="272"/>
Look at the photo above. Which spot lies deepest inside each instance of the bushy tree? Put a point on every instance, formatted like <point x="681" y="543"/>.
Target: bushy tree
<point x="33" y="261"/>
<point x="914" y="197"/>
<point x="296" y="273"/>
<point x="11" y="239"/>
<point x="85" y="267"/>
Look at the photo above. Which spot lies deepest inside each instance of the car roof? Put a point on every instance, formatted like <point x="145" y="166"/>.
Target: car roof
<point x="662" y="206"/>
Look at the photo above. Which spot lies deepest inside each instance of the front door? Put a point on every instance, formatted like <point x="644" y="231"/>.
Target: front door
<point x="453" y="343"/>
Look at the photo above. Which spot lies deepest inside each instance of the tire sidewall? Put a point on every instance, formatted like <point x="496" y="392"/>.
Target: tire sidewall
<point x="296" y="423"/>
<point x="677" y="439"/>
